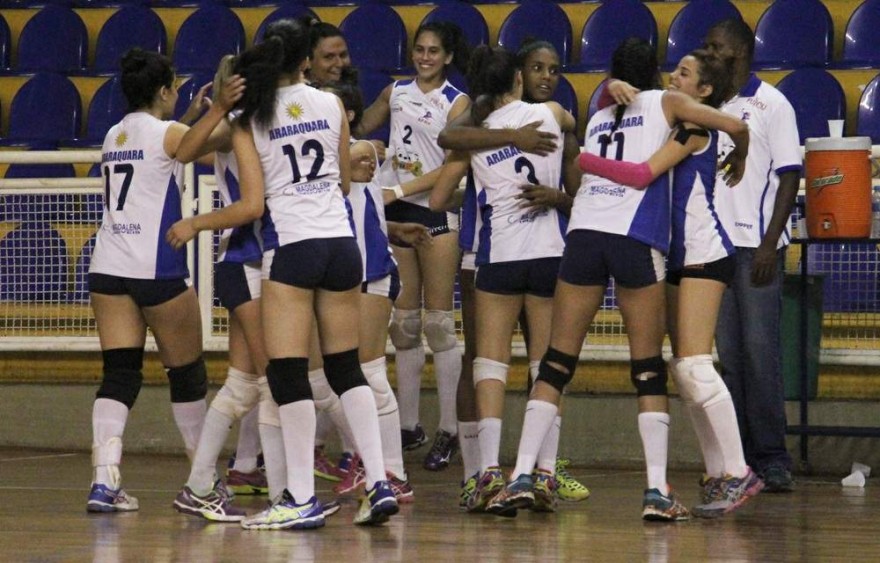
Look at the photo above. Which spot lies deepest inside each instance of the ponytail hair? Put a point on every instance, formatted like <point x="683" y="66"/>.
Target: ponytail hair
<point x="284" y="48"/>
<point x="452" y="39"/>
<point x="143" y="74"/>
<point x="491" y="74"/>
<point x="635" y="62"/>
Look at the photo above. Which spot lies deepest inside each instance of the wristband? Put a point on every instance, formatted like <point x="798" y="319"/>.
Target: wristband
<point x="398" y="191"/>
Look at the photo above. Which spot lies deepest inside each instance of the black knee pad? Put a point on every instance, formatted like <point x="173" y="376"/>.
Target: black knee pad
<point x="289" y="380"/>
<point x="555" y="376"/>
<point x="343" y="371"/>
<point x="188" y="383"/>
<point x="649" y="376"/>
<point x="122" y="375"/>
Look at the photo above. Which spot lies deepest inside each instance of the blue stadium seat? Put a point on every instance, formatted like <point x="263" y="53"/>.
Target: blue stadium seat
<point x="44" y="111"/>
<point x="290" y="10"/>
<point x="188" y="90"/>
<point x="868" y="118"/>
<point x="860" y="46"/>
<point x="378" y="51"/>
<point x="606" y="28"/>
<point x="53" y="40"/>
<point x="689" y="26"/>
<point x="33" y="265"/>
<point x="5" y="44"/>
<point x="468" y="18"/>
<point x="566" y="96"/>
<point x="816" y="97"/>
<point x="371" y="83"/>
<point x="107" y="108"/>
<point x="540" y="19"/>
<point x="205" y="37"/>
<point x="593" y="106"/>
<point x="130" y="26"/>
<point x="793" y="34"/>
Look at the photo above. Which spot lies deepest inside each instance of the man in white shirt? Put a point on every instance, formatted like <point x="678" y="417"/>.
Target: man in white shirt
<point x="755" y="214"/>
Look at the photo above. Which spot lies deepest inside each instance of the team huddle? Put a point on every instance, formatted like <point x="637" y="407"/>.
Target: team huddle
<point x="331" y="245"/>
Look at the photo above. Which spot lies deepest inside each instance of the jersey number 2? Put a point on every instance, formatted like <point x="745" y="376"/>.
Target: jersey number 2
<point x="128" y="170"/>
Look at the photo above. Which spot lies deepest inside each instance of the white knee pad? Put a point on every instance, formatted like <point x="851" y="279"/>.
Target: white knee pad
<point x="405" y="329"/>
<point x="108" y="453"/>
<point x="440" y="330"/>
<point x="238" y="395"/>
<point x="268" y="413"/>
<point x="322" y="393"/>
<point x="377" y="376"/>
<point x="698" y="382"/>
<point x="486" y="369"/>
<point x="534" y="367"/>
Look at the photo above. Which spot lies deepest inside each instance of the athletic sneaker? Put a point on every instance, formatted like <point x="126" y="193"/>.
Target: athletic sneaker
<point x="519" y="493"/>
<point x="489" y="485"/>
<point x="378" y="504"/>
<point x="710" y="488"/>
<point x="445" y="446"/>
<point x="403" y="491"/>
<point x="733" y="492"/>
<point x="777" y="479"/>
<point x="658" y="507"/>
<point x="413" y="439"/>
<point x="354" y="479"/>
<point x="214" y="506"/>
<point x="286" y="513"/>
<point x="468" y="489"/>
<point x="326" y="469"/>
<point x="545" y="491"/>
<point x="330" y="508"/>
<point x="104" y="499"/>
<point x="261" y="463"/>
<point x="253" y="483"/>
<point x="567" y="487"/>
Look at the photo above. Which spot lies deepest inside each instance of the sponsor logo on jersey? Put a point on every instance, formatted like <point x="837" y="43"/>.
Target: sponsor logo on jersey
<point x="125" y="228"/>
<point x="614" y="191"/>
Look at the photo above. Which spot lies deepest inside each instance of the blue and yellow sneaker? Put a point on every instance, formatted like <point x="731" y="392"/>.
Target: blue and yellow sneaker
<point x="286" y="513"/>
<point x="377" y="506"/>
<point x="545" y="491"/>
<point x="519" y="493"/>
<point x="468" y="488"/>
<point x="104" y="499"/>
<point x="490" y="484"/>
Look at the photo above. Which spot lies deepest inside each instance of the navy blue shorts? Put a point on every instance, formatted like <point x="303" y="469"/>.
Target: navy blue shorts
<point x="333" y="264"/>
<point x="592" y="257"/>
<point x="439" y="222"/>
<point x="519" y="277"/>
<point x="145" y="293"/>
<point x="720" y="270"/>
<point x="236" y="283"/>
<point x="389" y="286"/>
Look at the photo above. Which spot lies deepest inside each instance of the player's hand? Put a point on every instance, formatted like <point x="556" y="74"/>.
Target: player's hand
<point x="622" y="92"/>
<point x="733" y="166"/>
<point x="199" y="104"/>
<point x="181" y="233"/>
<point x="362" y="168"/>
<point x="529" y="138"/>
<point x="232" y="91"/>
<point x="412" y="234"/>
<point x="380" y="148"/>
<point x="535" y="196"/>
<point x="764" y="265"/>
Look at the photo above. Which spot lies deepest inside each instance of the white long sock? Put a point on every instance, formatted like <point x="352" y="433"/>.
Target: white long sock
<point x="709" y="446"/>
<point x="360" y="410"/>
<point x="190" y="417"/>
<point x="447" y="368"/>
<point x="490" y="442"/>
<point x="323" y="428"/>
<point x="376" y="373"/>
<point x="469" y="442"/>
<point x="550" y="447"/>
<point x="722" y="418"/>
<point x="654" y="430"/>
<point x="108" y="425"/>
<point x="408" y="365"/>
<point x="329" y="404"/>
<point x="298" y="431"/>
<point x="248" y="447"/>
<point x="273" y="457"/>
<point x="539" y="417"/>
<point x="204" y="465"/>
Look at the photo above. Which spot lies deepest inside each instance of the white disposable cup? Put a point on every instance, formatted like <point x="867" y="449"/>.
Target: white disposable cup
<point x="861" y="468"/>
<point x="856" y="479"/>
<point x="835" y="128"/>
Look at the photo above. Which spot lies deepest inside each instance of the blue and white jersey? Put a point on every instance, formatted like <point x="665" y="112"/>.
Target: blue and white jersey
<point x="606" y="206"/>
<point x="509" y="231"/>
<point x="416" y="121"/>
<point x="142" y="187"/>
<point x="774" y="148"/>
<point x="371" y="231"/>
<point x="470" y="220"/>
<point x="239" y="244"/>
<point x="697" y="234"/>
<point x="299" y="153"/>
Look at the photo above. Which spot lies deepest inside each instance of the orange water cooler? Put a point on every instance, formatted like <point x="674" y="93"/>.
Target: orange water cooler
<point x="838" y="186"/>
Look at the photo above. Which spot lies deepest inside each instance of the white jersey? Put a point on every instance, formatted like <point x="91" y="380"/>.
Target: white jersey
<point x="774" y="148"/>
<point x="299" y="153"/>
<point x="371" y="231"/>
<point x="416" y="121"/>
<point x="510" y="232"/>
<point x="470" y="220"/>
<point x="141" y="201"/>
<point x="239" y="244"/>
<point x="697" y="234"/>
<point x="605" y="206"/>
